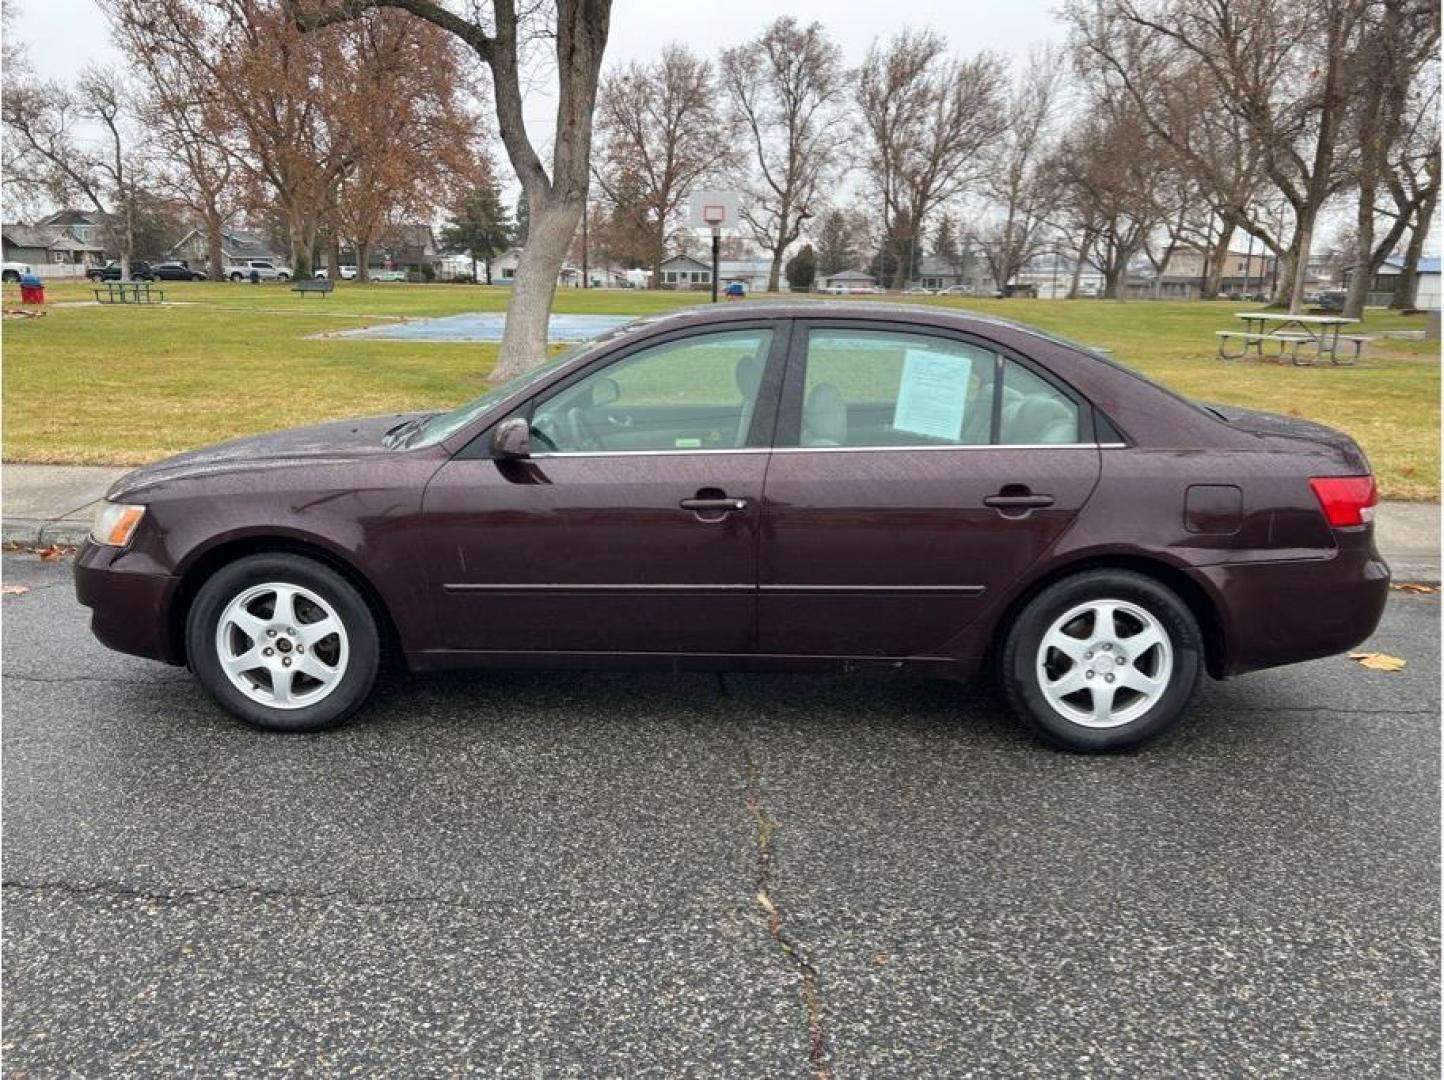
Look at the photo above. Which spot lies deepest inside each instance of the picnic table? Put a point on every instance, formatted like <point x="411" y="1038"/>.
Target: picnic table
<point x="1320" y="332"/>
<point x="128" y="292"/>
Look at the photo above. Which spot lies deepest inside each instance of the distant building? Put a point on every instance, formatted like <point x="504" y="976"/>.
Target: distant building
<point x="1381" y="290"/>
<point x="849" y="281"/>
<point x="682" y="272"/>
<point x="752" y="272"/>
<point x="237" y="248"/>
<point x="1243" y="273"/>
<point x="50" y="249"/>
<point x="87" y="226"/>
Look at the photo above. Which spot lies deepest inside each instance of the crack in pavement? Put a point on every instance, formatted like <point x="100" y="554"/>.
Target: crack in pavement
<point x="92" y="678"/>
<point x="818" y="1055"/>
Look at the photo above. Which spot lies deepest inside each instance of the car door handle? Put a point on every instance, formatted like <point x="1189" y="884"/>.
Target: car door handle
<point x="713" y="506"/>
<point x="1018" y="502"/>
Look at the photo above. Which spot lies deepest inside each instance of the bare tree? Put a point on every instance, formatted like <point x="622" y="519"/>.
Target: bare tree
<point x="1017" y="180"/>
<point x="1399" y="40"/>
<point x="785" y="86"/>
<point x="661" y="134"/>
<point x="928" y="121"/>
<point x="184" y="126"/>
<point x="1414" y="180"/>
<point x="43" y="153"/>
<point x="498" y="34"/>
<point x="1280" y="69"/>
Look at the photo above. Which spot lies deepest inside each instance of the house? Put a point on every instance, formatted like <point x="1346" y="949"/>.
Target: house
<point x="752" y="272"/>
<point x="849" y="281"/>
<point x="1381" y="290"/>
<point x="1244" y="272"/>
<point x="682" y="272"/>
<point x="50" y="249"/>
<point x="404" y="247"/>
<point x="503" y="270"/>
<point x="237" y="246"/>
<point x="87" y="226"/>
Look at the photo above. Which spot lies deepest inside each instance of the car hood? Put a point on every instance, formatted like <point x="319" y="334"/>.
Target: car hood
<point x="338" y="441"/>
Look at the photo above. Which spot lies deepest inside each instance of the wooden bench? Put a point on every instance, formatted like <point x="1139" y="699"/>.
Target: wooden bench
<point x="128" y="292"/>
<point x="1255" y="340"/>
<point x="319" y="286"/>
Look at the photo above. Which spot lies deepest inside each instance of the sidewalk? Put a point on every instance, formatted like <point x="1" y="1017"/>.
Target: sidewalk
<point x="49" y="504"/>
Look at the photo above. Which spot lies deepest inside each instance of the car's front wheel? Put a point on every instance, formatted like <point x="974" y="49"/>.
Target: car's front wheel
<point x="283" y="277"/>
<point x="1101" y="661"/>
<point x="283" y="642"/>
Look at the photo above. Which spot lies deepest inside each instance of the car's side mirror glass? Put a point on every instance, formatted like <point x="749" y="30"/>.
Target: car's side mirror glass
<point x="605" y="391"/>
<point x="511" y="441"/>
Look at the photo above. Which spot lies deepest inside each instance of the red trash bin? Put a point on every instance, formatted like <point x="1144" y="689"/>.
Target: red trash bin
<point x="32" y="290"/>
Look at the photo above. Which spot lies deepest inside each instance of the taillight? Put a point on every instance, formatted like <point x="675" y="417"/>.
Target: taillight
<point x="1346" y="500"/>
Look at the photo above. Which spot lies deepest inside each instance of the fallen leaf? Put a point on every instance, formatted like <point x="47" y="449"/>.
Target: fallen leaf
<point x="1377" y="661"/>
<point x="54" y="551"/>
<point x="13" y="590"/>
<point x="1413" y="586"/>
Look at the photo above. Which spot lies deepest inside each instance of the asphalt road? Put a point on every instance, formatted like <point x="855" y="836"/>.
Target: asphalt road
<point x="543" y="875"/>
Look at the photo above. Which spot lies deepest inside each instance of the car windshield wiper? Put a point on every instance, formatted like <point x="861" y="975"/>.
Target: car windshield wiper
<point x="398" y="435"/>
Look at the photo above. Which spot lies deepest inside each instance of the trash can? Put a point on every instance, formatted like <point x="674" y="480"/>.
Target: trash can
<point x="32" y="289"/>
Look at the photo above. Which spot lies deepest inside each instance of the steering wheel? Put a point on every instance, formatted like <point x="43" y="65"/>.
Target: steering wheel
<point x="580" y="430"/>
<point x="541" y="431"/>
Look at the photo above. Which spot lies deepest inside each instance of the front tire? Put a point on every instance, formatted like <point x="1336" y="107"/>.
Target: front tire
<point x="237" y="277"/>
<point x="283" y="642"/>
<point x="1105" y="660"/>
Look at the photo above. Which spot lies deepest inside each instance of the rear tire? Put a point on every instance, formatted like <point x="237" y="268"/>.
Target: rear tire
<point x="1106" y="660"/>
<point x="283" y="642"/>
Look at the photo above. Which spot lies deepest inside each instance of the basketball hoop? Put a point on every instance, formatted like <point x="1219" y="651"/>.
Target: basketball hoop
<point x="714" y="211"/>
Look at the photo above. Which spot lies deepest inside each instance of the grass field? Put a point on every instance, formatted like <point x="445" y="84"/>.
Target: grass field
<point x="127" y="385"/>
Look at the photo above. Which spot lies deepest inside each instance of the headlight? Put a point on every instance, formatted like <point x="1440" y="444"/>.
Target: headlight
<point x="115" y="524"/>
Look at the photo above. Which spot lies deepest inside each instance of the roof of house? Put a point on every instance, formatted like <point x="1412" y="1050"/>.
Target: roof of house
<point x="1426" y="266"/>
<point x="939" y="266"/>
<point x="66" y="218"/>
<point x="851" y="275"/>
<point x="677" y="262"/>
<point x="48" y="237"/>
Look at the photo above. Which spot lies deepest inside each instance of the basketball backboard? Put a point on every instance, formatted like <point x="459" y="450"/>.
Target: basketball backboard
<point x="713" y="210"/>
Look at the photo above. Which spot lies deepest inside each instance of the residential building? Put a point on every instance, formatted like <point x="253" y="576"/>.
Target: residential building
<point x="87" y="226"/>
<point x="849" y="281"/>
<point x="1381" y="290"/>
<point x="237" y="247"/>
<point x="51" y="250"/>
<point x="1244" y="273"/>
<point x="682" y="272"/>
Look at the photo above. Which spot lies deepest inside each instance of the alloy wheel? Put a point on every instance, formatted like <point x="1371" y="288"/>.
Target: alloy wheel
<point x="282" y="645"/>
<point x="1104" y="663"/>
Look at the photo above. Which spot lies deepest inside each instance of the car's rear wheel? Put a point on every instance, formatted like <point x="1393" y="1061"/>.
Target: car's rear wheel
<point x="283" y="277"/>
<point x="11" y="276"/>
<point x="283" y="642"/>
<point x="1104" y="660"/>
<point x="237" y="277"/>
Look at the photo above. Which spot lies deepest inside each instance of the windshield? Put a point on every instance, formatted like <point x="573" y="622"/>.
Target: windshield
<point x="442" y="426"/>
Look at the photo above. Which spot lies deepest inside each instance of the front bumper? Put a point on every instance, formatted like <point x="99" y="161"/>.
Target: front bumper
<point x="1286" y="612"/>
<point x="130" y="601"/>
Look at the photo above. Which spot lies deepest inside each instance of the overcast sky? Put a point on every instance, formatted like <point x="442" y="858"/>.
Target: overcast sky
<point x="61" y="36"/>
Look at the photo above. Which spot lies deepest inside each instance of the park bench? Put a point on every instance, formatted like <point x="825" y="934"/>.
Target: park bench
<point x="1358" y="341"/>
<point x="1225" y="337"/>
<point x="319" y="286"/>
<point x="128" y="292"/>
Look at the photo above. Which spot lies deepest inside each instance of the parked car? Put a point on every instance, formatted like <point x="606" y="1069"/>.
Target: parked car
<point x="139" y="271"/>
<point x="778" y="486"/>
<point x="1331" y="299"/>
<point x="348" y="273"/>
<point x="388" y="275"/>
<point x="12" y="272"/>
<point x="177" y="271"/>
<point x="918" y="290"/>
<point x="265" y="269"/>
<point x="956" y="290"/>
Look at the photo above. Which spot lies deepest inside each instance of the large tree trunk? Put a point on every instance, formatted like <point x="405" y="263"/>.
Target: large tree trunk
<point x="1218" y="257"/>
<point x="774" y="273"/>
<point x="301" y="226"/>
<point x="1361" y="279"/>
<point x="1406" y="284"/>
<point x="363" y="261"/>
<point x="215" y="257"/>
<point x="1283" y="289"/>
<point x="524" y="338"/>
<point x="333" y="254"/>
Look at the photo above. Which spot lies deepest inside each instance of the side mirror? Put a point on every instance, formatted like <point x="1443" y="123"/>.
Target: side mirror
<point x="511" y="441"/>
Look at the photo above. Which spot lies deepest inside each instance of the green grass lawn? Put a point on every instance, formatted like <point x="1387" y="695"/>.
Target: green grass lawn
<point x="127" y="385"/>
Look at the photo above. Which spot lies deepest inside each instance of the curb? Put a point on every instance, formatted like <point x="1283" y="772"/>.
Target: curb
<point x="39" y="532"/>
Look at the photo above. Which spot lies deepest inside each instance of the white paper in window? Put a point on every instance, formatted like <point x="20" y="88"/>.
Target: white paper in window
<point x="933" y="394"/>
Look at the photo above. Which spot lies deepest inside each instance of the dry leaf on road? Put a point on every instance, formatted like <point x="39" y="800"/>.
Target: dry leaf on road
<point x="1413" y="586"/>
<point x="1377" y="661"/>
<point x="13" y="590"/>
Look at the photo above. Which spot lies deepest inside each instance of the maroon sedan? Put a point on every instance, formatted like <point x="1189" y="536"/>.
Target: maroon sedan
<point x="763" y="487"/>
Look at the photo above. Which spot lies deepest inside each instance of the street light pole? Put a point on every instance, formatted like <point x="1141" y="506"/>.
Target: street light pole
<point x="716" y="255"/>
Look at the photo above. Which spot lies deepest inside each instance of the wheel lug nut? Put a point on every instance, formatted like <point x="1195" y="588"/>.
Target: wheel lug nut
<point x="270" y="633"/>
<point x="1088" y="656"/>
<point x="268" y="652"/>
<point x="286" y="662"/>
<point x="1106" y="678"/>
<point x="1088" y="674"/>
<point x="300" y="648"/>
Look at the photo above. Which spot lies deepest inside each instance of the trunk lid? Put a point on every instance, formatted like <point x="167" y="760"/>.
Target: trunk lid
<point x="1274" y="426"/>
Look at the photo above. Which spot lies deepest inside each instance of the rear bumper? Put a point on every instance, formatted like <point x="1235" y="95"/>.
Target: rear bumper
<point x="129" y="602"/>
<point x="1286" y="612"/>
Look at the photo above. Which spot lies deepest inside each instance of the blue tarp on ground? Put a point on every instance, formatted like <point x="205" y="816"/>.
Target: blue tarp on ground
<point x="487" y="327"/>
